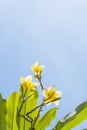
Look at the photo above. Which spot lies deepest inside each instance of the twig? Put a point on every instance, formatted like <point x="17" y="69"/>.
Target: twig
<point x="25" y="117"/>
<point x="53" y="100"/>
<point x="38" y="114"/>
<point x="39" y="79"/>
<point x="42" y="104"/>
<point x="34" y="109"/>
<point x="23" y="101"/>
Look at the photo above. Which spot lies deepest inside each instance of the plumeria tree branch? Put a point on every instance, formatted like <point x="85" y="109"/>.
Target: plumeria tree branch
<point x="41" y="105"/>
<point x="23" y="101"/>
<point x="28" y="118"/>
<point x="23" y="116"/>
<point x="53" y="100"/>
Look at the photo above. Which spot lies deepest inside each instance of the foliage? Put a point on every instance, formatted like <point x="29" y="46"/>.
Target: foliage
<point x="22" y="110"/>
<point x="74" y="118"/>
<point x="12" y="104"/>
<point x="45" y="121"/>
<point x="3" y="112"/>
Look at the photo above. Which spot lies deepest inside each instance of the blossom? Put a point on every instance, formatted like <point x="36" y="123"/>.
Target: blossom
<point x="27" y="82"/>
<point x="51" y="94"/>
<point x="37" y="68"/>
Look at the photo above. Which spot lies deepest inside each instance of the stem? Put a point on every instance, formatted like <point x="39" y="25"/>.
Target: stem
<point x="42" y="104"/>
<point x="53" y="100"/>
<point x="32" y="126"/>
<point x="20" y="107"/>
<point x="38" y="114"/>
<point x="29" y="119"/>
<point x="35" y="120"/>
<point x="41" y="83"/>
<point x="25" y="118"/>
<point x="23" y="101"/>
<point x="40" y="107"/>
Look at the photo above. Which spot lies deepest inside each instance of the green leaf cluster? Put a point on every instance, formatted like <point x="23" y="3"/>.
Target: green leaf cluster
<point x="8" y="113"/>
<point x="10" y="121"/>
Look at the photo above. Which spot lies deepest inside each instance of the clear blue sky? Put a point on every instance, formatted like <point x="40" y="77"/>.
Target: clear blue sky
<point x="53" y="32"/>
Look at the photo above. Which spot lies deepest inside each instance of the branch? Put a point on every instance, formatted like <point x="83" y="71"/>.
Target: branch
<point x="42" y="104"/>
<point x="23" y="101"/>
<point x="25" y="117"/>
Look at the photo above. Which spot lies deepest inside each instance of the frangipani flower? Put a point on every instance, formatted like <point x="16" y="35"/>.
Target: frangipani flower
<point x="37" y="68"/>
<point x="51" y="94"/>
<point x="27" y="82"/>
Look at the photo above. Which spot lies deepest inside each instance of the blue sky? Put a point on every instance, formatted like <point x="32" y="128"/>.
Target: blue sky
<point x="52" y="32"/>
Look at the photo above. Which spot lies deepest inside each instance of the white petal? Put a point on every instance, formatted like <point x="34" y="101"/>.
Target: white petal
<point x="22" y="79"/>
<point x="56" y="102"/>
<point x="36" y="64"/>
<point x="59" y="93"/>
<point x="29" y="77"/>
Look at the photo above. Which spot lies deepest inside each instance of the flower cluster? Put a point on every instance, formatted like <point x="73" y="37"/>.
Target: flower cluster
<point x="51" y="95"/>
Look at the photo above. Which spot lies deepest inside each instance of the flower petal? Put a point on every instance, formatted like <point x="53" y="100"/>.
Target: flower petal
<point x="37" y="68"/>
<point x="28" y="78"/>
<point x="51" y="90"/>
<point x="22" y="79"/>
<point x="58" y="94"/>
<point x="45" y="93"/>
<point x="56" y="102"/>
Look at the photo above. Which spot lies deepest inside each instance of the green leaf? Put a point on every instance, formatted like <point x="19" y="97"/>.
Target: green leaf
<point x="12" y="104"/>
<point x="74" y="118"/>
<point x="3" y="112"/>
<point x="30" y="104"/>
<point x="46" y="120"/>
